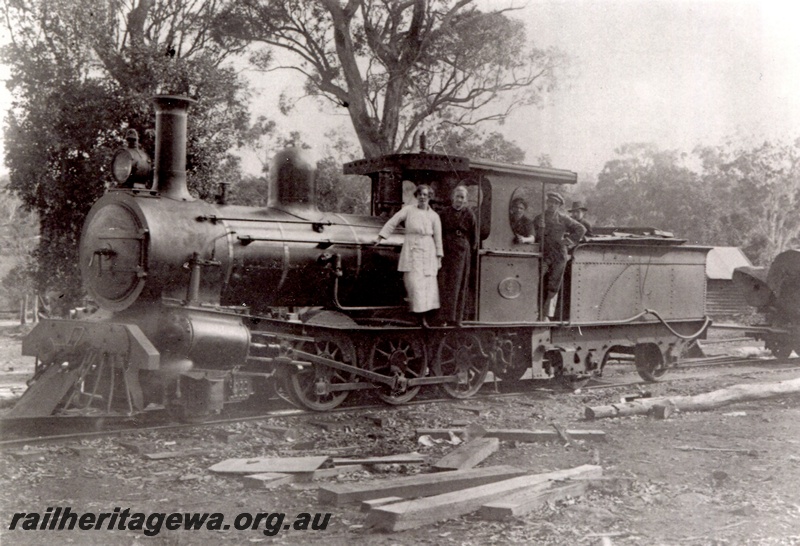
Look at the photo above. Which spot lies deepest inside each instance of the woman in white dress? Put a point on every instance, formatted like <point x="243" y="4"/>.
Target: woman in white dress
<point x="421" y="255"/>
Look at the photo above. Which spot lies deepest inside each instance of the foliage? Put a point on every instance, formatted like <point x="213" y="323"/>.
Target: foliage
<point x="468" y="142"/>
<point x="654" y="188"/>
<point x="18" y="239"/>
<point x="397" y="65"/>
<point x="83" y="72"/>
<point x="766" y="179"/>
<point x="739" y="196"/>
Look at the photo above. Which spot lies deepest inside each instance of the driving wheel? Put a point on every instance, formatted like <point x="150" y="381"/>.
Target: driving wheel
<point x="402" y="357"/>
<point x="461" y="354"/>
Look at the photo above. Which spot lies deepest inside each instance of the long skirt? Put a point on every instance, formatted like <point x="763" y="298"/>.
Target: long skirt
<point x="423" y="290"/>
<point x="453" y="279"/>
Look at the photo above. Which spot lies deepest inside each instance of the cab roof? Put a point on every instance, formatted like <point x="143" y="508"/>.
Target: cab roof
<point x="438" y="162"/>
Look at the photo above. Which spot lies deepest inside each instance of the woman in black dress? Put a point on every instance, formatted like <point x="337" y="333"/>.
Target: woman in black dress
<point x="458" y="237"/>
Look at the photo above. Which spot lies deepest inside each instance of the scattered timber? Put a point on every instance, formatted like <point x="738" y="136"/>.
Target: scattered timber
<point x="749" y="452"/>
<point x="521" y="435"/>
<point x="472" y="409"/>
<point x="468" y="455"/>
<point x="701" y="402"/>
<point x="174" y="454"/>
<point x="368" y="505"/>
<point x="518" y="435"/>
<point x="439" y="433"/>
<point x="267" y="480"/>
<point x="528" y="500"/>
<point x="258" y="465"/>
<point x="420" y="512"/>
<point x="421" y="485"/>
<point x="408" y="458"/>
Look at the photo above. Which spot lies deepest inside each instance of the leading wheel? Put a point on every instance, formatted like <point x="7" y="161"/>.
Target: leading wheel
<point x="309" y="384"/>
<point x="402" y="357"/>
<point x="461" y="354"/>
<point x="650" y="364"/>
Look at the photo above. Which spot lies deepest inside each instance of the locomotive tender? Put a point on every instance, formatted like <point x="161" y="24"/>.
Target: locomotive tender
<point x="204" y="304"/>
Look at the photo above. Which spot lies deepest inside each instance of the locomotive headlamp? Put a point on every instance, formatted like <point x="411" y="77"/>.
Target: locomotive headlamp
<point x="131" y="165"/>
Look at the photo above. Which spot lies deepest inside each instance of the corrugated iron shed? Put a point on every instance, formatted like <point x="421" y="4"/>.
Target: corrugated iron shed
<point x="723" y="298"/>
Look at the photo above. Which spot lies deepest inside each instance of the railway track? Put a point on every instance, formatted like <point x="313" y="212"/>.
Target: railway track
<point x="16" y="433"/>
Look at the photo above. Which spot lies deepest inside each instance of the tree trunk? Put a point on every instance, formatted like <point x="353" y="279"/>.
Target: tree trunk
<point x="700" y="402"/>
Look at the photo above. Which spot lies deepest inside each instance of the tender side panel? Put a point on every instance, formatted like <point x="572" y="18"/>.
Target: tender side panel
<point x="616" y="282"/>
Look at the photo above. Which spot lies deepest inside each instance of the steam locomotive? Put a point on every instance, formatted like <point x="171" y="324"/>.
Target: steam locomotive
<point x="207" y="304"/>
<point x="775" y="292"/>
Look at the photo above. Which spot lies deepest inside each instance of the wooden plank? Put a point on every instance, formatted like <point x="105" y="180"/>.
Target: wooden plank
<point x="328" y="472"/>
<point x="420" y="485"/>
<point x="460" y="423"/>
<point x="368" y="505"/>
<point x="562" y="434"/>
<point x="267" y="480"/>
<point x="135" y="447"/>
<point x="386" y="459"/>
<point x="418" y="513"/>
<point x="440" y="432"/>
<point x="471" y="409"/>
<point x="699" y="402"/>
<point x="281" y="432"/>
<point x="521" y="435"/>
<point x="528" y="500"/>
<point x="513" y="435"/>
<point x="257" y="465"/>
<point x="29" y="455"/>
<point x="227" y="436"/>
<point x="43" y="396"/>
<point x="468" y="455"/>
<point x="174" y="454"/>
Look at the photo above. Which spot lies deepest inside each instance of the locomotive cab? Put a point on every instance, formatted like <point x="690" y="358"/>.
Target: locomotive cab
<point x="505" y="283"/>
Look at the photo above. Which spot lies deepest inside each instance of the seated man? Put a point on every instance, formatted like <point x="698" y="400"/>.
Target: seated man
<point x="556" y="233"/>
<point x="521" y="224"/>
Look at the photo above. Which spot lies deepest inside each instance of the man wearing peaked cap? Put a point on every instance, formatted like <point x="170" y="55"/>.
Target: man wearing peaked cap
<point x="555" y="196"/>
<point x="577" y="212"/>
<point x="556" y="232"/>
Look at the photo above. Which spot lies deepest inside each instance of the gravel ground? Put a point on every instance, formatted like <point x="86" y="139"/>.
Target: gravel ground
<point x="654" y="493"/>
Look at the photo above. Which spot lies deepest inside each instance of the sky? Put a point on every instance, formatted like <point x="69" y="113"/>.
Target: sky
<point x="676" y="73"/>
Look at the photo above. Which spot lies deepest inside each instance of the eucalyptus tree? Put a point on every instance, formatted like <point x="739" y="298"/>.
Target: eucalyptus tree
<point x="397" y="66"/>
<point x="85" y="71"/>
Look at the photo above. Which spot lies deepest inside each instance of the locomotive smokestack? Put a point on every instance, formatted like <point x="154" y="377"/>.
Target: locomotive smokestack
<point x="170" y="163"/>
<point x="292" y="181"/>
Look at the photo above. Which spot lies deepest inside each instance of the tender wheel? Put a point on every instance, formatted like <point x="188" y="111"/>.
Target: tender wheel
<point x="307" y="386"/>
<point x="649" y="362"/>
<point x="555" y="364"/>
<point x="398" y="356"/>
<point x="461" y="354"/>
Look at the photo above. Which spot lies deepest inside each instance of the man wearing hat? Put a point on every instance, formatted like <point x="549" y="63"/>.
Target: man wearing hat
<point x="577" y="212"/>
<point x="556" y="233"/>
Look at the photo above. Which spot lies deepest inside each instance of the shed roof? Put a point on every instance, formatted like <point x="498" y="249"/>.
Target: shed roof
<point x="722" y="260"/>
